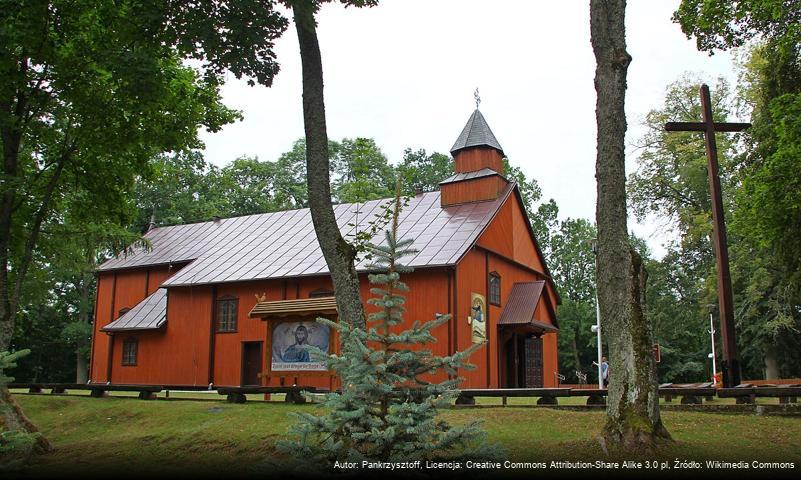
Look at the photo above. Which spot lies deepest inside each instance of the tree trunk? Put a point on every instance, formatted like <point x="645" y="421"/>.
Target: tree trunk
<point x="771" y="365"/>
<point x="632" y="416"/>
<point x="338" y="253"/>
<point x="12" y="419"/>
<point x="81" y="368"/>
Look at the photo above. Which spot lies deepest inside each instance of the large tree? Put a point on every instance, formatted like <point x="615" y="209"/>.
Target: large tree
<point x="92" y="90"/>
<point x="339" y="254"/>
<point x="632" y="415"/>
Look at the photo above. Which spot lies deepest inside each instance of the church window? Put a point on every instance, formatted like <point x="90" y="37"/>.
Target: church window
<point x="130" y="349"/>
<point x="495" y="288"/>
<point x="226" y="314"/>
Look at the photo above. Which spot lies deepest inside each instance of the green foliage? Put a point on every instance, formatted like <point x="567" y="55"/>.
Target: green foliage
<point x="361" y="172"/>
<point x="766" y="221"/>
<point x="723" y="24"/>
<point x="421" y="171"/>
<point x="15" y="446"/>
<point x="572" y="264"/>
<point x="8" y="360"/>
<point x="387" y="407"/>
<point x="671" y="183"/>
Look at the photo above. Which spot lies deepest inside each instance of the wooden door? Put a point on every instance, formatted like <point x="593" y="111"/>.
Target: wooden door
<point x="251" y="363"/>
<point x="533" y="363"/>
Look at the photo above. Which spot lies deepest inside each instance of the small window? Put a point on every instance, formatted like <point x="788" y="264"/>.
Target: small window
<point x="495" y="288"/>
<point x="226" y="314"/>
<point x="130" y="349"/>
<point x="321" y="292"/>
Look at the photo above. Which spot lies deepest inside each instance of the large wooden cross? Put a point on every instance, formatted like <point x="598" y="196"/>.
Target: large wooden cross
<point x="730" y="366"/>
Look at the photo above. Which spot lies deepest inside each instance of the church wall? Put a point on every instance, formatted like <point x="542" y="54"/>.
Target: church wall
<point x="116" y="291"/>
<point x="179" y="354"/>
<point x="508" y="235"/>
<point x="176" y="355"/>
<point x="470" y="279"/>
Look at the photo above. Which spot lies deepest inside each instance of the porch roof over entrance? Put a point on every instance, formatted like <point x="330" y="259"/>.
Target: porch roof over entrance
<point x="149" y="314"/>
<point x="522" y="303"/>
<point x="301" y="306"/>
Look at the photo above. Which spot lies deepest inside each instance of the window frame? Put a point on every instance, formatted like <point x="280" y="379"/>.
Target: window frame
<point x="126" y="360"/>
<point x="232" y="325"/>
<point x="493" y="300"/>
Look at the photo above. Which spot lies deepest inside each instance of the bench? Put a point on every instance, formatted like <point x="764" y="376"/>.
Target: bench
<point x="746" y="394"/>
<point x="595" y="396"/>
<point x="548" y="396"/>
<point x="146" y="392"/>
<point x="55" y="388"/>
<point x="294" y="394"/>
<point x="690" y="394"/>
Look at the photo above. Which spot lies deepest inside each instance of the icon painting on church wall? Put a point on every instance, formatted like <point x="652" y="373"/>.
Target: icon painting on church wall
<point x="478" y="317"/>
<point x="290" y="342"/>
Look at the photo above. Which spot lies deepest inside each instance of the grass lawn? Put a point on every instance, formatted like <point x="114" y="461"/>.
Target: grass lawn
<point x="130" y="436"/>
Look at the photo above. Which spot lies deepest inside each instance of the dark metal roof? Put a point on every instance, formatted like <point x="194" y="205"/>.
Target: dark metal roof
<point x="149" y="314"/>
<point x="476" y="134"/>
<point x="284" y="244"/>
<point x="460" y="177"/>
<point x="301" y="306"/>
<point x="521" y="304"/>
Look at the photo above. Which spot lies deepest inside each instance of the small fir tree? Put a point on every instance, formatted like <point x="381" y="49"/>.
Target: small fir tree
<point x="387" y="407"/>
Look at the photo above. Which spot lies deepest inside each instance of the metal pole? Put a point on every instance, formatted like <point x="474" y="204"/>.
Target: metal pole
<point x="598" y="333"/>
<point x="712" y="333"/>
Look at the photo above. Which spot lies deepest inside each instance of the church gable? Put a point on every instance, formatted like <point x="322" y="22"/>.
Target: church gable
<point x="508" y="235"/>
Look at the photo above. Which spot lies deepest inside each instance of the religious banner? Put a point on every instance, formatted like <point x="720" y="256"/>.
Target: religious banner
<point x="477" y="317"/>
<point x="289" y="346"/>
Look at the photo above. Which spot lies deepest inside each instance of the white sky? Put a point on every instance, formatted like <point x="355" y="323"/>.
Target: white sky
<point x="404" y="74"/>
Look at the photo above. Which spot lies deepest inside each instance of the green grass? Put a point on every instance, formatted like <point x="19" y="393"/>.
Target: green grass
<point x="127" y="435"/>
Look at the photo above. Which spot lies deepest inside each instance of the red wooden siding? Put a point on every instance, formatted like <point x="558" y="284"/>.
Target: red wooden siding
<point x="179" y="354"/>
<point x="470" y="279"/>
<point x="115" y="291"/>
<point x="508" y="236"/>
<point x="473" y="190"/>
<point x="475" y="158"/>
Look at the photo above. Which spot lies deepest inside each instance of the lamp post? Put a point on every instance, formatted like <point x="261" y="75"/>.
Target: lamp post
<point x="712" y="355"/>
<point x="596" y="329"/>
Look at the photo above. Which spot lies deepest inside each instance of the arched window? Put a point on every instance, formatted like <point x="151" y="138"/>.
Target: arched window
<point x="130" y="347"/>
<point x="494" y="288"/>
<point x="227" y="308"/>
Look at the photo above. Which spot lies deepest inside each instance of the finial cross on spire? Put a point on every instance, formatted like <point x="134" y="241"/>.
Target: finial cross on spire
<point x="477" y="97"/>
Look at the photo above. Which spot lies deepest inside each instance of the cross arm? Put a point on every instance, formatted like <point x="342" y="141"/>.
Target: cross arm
<point x="701" y="127"/>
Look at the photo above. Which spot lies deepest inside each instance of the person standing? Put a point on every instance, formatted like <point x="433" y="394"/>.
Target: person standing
<point x="605" y="371"/>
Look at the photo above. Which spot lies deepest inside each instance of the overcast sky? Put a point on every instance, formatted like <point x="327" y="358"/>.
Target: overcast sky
<point x="404" y="74"/>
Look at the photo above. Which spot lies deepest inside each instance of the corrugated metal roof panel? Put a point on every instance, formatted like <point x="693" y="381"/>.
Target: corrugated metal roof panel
<point x="521" y="304"/>
<point x="149" y="314"/>
<point x="284" y="244"/>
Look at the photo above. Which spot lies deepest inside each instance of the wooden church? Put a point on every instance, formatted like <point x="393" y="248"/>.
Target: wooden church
<point x="232" y="302"/>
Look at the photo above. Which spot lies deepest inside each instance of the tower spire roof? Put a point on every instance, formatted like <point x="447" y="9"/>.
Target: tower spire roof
<point x="476" y="134"/>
